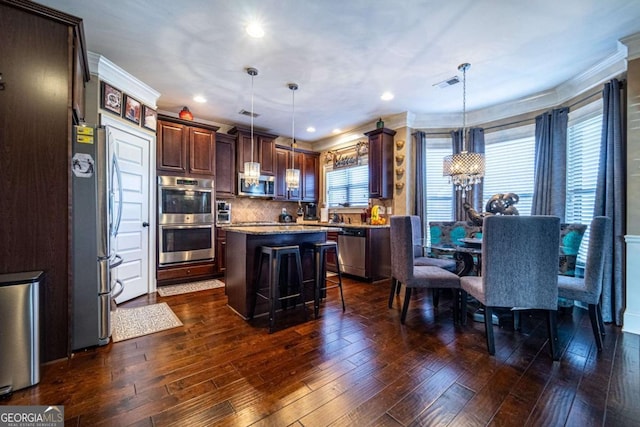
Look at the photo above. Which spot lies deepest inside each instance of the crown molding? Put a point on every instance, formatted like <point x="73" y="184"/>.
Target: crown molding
<point x="114" y="75"/>
<point x="632" y="44"/>
<point x="394" y="121"/>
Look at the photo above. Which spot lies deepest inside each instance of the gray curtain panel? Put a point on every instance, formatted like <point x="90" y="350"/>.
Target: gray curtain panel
<point x="420" y="139"/>
<point x="610" y="197"/>
<point x="550" y="180"/>
<point x="475" y="144"/>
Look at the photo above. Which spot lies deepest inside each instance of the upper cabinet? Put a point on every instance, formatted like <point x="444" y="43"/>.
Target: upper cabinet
<point x="308" y="164"/>
<point x="225" y="165"/>
<point x="381" y="163"/>
<point x="185" y="148"/>
<point x="264" y="149"/>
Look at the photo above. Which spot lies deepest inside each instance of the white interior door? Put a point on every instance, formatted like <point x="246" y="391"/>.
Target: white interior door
<point x="132" y="243"/>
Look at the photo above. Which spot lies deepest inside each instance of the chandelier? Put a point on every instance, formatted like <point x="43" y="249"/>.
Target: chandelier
<point x="464" y="169"/>
<point x="292" y="176"/>
<point x="251" y="169"/>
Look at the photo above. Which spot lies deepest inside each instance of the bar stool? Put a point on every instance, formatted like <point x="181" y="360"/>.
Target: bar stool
<point x="275" y="292"/>
<point x="320" y="251"/>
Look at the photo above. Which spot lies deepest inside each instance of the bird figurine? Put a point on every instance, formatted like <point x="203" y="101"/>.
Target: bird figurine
<point x="474" y="216"/>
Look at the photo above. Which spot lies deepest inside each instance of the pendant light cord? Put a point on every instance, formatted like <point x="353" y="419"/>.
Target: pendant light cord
<point x="293" y="125"/>
<point x="252" y="118"/>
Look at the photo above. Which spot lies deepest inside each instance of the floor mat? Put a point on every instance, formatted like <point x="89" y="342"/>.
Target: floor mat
<point x="127" y="323"/>
<point x="169" y="290"/>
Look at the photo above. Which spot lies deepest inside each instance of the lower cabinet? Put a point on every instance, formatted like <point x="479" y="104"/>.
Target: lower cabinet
<point x="221" y="250"/>
<point x="186" y="273"/>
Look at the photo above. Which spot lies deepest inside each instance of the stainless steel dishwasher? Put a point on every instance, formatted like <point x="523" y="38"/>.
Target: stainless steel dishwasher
<point x="352" y="249"/>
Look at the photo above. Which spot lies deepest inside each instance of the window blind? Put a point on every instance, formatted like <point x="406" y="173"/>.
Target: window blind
<point x="509" y="168"/>
<point x="439" y="193"/>
<point x="348" y="186"/>
<point x="583" y="156"/>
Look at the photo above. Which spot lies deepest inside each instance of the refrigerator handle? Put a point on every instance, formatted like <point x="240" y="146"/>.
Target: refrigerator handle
<point x="117" y="290"/>
<point x="115" y="173"/>
<point x="117" y="260"/>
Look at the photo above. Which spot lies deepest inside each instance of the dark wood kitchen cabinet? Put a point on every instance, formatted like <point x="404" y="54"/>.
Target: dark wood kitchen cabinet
<point x="185" y="148"/>
<point x="308" y="164"/>
<point x="44" y="71"/>
<point x="381" y="163"/>
<point x="221" y="250"/>
<point x="264" y="149"/>
<point x="225" y="183"/>
<point x="185" y="273"/>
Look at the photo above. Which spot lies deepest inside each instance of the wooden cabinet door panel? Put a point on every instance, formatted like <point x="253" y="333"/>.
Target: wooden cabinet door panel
<point x="281" y="166"/>
<point x="202" y="145"/>
<point x="172" y="149"/>
<point x="267" y="155"/>
<point x="225" y="166"/>
<point x="310" y="177"/>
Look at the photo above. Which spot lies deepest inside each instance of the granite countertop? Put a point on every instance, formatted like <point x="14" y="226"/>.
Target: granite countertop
<point x="343" y="224"/>
<point x="279" y="229"/>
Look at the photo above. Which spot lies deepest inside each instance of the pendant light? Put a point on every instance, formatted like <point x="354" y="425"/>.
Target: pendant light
<point x="292" y="176"/>
<point x="252" y="169"/>
<point x="464" y="169"/>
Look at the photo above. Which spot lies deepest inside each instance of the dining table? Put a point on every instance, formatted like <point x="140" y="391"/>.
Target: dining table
<point x="468" y="256"/>
<point x="467" y="253"/>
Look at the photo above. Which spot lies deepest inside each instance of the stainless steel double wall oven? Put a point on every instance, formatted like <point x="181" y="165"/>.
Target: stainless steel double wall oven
<point x="186" y="219"/>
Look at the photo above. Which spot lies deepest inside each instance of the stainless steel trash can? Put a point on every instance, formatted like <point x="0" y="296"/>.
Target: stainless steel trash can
<point x="19" y="330"/>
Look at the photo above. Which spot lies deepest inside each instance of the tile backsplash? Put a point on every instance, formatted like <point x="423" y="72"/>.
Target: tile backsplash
<point x="246" y="209"/>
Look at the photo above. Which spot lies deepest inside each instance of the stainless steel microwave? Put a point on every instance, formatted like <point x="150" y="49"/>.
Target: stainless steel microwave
<point x="266" y="187"/>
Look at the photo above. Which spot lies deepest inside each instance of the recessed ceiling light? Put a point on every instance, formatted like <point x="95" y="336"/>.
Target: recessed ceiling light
<point x="199" y="98"/>
<point x="311" y="129"/>
<point x="387" y="96"/>
<point x="337" y="131"/>
<point x="254" y="29"/>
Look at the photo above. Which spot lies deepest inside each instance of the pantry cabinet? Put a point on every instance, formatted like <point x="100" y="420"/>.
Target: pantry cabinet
<point x="42" y="91"/>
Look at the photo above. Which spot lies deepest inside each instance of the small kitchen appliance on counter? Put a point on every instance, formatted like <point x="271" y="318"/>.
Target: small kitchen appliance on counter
<point x="285" y="217"/>
<point x="223" y="212"/>
<point x="311" y="211"/>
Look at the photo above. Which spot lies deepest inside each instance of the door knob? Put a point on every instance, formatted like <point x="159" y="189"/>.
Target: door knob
<point x="145" y="224"/>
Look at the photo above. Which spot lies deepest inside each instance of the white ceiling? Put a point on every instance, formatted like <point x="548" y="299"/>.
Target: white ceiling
<point x="344" y="53"/>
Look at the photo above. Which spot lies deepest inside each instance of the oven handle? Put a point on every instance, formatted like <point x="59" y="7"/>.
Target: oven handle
<point x="175" y="187"/>
<point x="181" y="226"/>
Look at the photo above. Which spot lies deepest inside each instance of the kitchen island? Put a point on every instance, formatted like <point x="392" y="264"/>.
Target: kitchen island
<point x="243" y="258"/>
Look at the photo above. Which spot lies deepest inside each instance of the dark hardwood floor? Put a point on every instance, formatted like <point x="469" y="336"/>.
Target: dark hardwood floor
<point x="358" y="368"/>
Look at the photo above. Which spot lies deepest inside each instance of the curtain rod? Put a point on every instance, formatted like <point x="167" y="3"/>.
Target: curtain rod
<point x="579" y="101"/>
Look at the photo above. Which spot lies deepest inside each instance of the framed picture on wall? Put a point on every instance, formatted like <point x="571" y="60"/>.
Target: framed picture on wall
<point x="132" y="109"/>
<point x="149" y="118"/>
<point x="111" y="99"/>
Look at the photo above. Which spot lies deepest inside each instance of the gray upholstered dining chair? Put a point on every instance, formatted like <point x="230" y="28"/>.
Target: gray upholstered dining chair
<point x="403" y="267"/>
<point x="519" y="270"/>
<point x="588" y="289"/>
<point x="420" y="259"/>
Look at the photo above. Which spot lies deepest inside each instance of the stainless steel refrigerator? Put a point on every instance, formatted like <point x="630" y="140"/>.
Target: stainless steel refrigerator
<point x="96" y="217"/>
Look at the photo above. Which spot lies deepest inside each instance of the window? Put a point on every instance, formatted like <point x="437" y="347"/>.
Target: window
<point x="439" y="193"/>
<point x="509" y="165"/>
<point x="583" y="155"/>
<point x="348" y="186"/>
